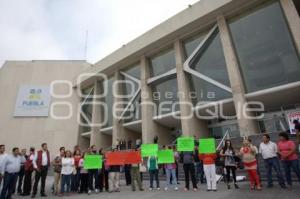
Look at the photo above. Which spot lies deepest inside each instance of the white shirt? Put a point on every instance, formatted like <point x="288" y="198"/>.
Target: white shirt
<point x="44" y="159"/>
<point x="268" y="150"/>
<point x="81" y="165"/>
<point x="67" y="166"/>
<point x="12" y="164"/>
<point x="2" y="157"/>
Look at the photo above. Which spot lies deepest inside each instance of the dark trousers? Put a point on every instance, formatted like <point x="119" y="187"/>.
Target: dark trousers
<point x="127" y="174"/>
<point x="154" y="175"/>
<point x="199" y="172"/>
<point x="75" y="180"/>
<point x="189" y="170"/>
<point x="40" y="175"/>
<point x="20" y="180"/>
<point x="103" y="180"/>
<point x="177" y="171"/>
<point x="9" y="184"/>
<point x="65" y="183"/>
<point x="231" y="169"/>
<point x="271" y="163"/>
<point x="93" y="175"/>
<point x="84" y="181"/>
<point x="288" y="165"/>
<point x="27" y="183"/>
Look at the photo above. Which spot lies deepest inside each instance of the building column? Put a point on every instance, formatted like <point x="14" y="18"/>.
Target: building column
<point x="247" y="126"/>
<point x="117" y="124"/>
<point x="119" y="131"/>
<point x="149" y="127"/>
<point x="189" y="123"/>
<point x="293" y="20"/>
<point x="98" y="138"/>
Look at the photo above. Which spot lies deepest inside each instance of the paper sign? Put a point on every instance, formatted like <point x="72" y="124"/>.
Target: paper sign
<point x="93" y="162"/>
<point x="291" y="117"/>
<point x="114" y="158"/>
<point x="185" y="144"/>
<point x="123" y="157"/>
<point x="166" y="157"/>
<point x="132" y="157"/>
<point x="149" y="150"/>
<point x="207" y="145"/>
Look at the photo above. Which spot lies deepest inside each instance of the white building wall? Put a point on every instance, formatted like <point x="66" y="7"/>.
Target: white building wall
<point x="24" y="132"/>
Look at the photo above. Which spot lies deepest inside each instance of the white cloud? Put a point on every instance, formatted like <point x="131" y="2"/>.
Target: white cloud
<point x="55" y="29"/>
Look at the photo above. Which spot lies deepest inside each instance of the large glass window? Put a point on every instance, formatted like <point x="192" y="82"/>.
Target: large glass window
<point x="265" y="49"/>
<point x="87" y="109"/>
<point x="165" y="95"/>
<point x="209" y="62"/>
<point x="191" y="44"/>
<point x="133" y="112"/>
<point x="109" y="100"/>
<point x="219" y="131"/>
<point x="162" y="63"/>
<point x="297" y="5"/>
<point x="165" y="91"/>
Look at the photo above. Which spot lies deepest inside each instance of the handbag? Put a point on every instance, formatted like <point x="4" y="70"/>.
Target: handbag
<point x="74" y="171"/>
<point x="143" y="169"/>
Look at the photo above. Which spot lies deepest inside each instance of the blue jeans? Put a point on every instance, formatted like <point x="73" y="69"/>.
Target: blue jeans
<point x="9" y="184"/>
<point x="154" y="175"/>
<point x="65" y="181"/>
<point x="93" y="174"/>
<point x="75" y="180"/>
<point x="199" y="172"/>
<point x="287" y="165"/>
<point x="273" y="163"/>
<point x="169" y="173"/>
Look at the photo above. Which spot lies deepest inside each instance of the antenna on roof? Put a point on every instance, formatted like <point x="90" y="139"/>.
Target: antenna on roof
<point x="86" y="43"/>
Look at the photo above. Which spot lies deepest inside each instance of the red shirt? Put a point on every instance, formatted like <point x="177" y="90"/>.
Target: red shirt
<point x="76" y="160"/>
<point x="285" y="147"/>
<point x="208" y="158"/>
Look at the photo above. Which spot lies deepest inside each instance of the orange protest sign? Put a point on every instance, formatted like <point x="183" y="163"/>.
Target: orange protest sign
<point x="121" y="158"/>
<point x="114" y="158"/>
<point x="133" y="157"/>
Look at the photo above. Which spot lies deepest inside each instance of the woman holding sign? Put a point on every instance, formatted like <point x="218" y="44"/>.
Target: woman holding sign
<point x="171" y="173"/>
<point x="209" y="170"/>
<point x="152" y="165"/>
<point x="230" y="164"/>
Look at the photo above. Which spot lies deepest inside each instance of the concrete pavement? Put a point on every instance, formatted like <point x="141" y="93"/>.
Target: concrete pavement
<point x="243" y="193"/>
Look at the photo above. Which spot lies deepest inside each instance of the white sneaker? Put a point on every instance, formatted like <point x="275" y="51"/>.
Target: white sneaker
<point x="150" y="189"/>
<point x="176" y="188"/>
<point x="97" y="190"/>
<point x="166" y="188"/>
<point x="158" y="188"/>
<point x="89" y="192"/>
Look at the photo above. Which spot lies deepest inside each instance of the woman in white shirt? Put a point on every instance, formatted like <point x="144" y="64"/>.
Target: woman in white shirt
<point x="66" y="172"/>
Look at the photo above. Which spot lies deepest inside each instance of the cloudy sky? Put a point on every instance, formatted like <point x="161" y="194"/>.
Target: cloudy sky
<point x="56" y="29"/>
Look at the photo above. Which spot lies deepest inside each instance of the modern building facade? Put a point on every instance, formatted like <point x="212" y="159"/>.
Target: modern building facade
<point x="213" y="55"/>
<point x="218" y="66"/>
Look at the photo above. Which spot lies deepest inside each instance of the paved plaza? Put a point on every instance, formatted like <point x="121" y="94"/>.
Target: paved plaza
<point x="243" y="193"/>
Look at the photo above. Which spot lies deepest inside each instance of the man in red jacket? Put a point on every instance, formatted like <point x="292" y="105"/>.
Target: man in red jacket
<point x="41" y="164"/>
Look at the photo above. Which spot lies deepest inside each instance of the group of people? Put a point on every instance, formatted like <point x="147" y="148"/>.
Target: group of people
<point x="17" y="168"/>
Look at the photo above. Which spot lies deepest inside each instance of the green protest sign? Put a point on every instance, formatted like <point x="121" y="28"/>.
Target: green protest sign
<point x="93" y="162"/>
<point x="185" y="144"/>
<point x="207" y="145"/>
<point x="149" y="150"/>
<point x="166" y="157"/>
